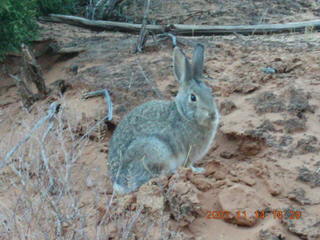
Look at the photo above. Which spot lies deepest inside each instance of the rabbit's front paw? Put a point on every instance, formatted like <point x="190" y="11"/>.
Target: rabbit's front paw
<point x="197" y="169"/>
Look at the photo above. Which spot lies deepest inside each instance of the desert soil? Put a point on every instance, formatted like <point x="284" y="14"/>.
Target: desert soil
<point x="265" y="157"/>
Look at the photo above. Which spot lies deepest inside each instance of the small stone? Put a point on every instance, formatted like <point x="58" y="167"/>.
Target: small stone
<point x="271" y="235"/>
<point x="307" y="176"/>
<point x="226" y="107"/>
<point x="273" y="187"/>
<point x="269" y="70"/>
<point x="249" y="147"/>
<point x="298" y="195"/>
<point x="248" y="180"/>
<point x="151" y="197"/>
<point x="226" y="155"/>
<point x="242" y="202"/>
<point x="202" y="183"/>
<point x="90" y="182"/>
<point x="249" y="88"/>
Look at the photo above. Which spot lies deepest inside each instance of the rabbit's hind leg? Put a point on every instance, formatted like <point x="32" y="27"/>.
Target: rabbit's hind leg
<point x="150" y="157"/>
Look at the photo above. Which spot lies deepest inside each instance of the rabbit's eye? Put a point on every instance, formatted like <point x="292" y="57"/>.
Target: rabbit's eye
<point x="193" y="98"/>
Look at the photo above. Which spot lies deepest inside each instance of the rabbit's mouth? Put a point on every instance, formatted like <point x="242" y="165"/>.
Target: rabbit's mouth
<point x="205" y="117"/>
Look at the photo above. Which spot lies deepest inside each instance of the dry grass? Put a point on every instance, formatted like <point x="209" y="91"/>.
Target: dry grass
<point x="47" y="192"/>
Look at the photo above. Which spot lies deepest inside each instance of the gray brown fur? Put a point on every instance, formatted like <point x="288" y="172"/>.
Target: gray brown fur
<point x="158" y="137"/>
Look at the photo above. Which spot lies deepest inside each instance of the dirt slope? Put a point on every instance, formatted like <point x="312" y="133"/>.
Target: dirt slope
<point x="265" y="156"/>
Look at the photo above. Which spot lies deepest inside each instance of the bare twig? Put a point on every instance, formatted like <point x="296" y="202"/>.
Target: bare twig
<point x="28" y="98"/>
<point x="170" y="35"/>
<point x="151" y="83"/>
<point x="105" y="93"/>
<point x="131" y="223"/>
<point x="53" y="109"/>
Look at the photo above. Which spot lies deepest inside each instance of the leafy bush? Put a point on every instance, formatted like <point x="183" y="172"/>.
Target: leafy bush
<point x="18" y="20"/>
<point x="18" y="24"/>
<point x="46" y="7"/>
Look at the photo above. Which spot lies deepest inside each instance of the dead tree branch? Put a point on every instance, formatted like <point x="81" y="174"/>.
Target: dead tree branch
<point x="28" y="98"/>
<point x="33" y="71"/>
<point x="53" y="109"/>
<point x="105" y="93"/>
<point x="186" y="30"/>
<point x="143" y="36"/>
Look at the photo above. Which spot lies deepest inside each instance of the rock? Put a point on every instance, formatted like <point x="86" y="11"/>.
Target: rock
<point x="307" y="176"/>
<point x="269" y="70"/>
<point x="248" y="180"/>
<point x="250" y="147"/>
<point x="307" y="227"/>
<point x="202" y="183"/>
<point x="226" y="107"/>
<point x="298" y="195"/>
<point x="150" y="196"/>
<point x="241" y="199"/>
<point x="226" y="155"/>
<point x="274" y="188"/>
<point x="220" y="175"/>
<point x="74" y="69"/>
<point x="245" y="87"/>
<point x="182" y="198"/>
<point x="90" y="182"/>
<point x="271" y="235"/>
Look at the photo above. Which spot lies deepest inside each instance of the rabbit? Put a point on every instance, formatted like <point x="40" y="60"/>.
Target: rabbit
<point x="159" y="136"/>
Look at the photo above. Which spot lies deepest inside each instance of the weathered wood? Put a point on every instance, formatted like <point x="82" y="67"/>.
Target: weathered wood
<point x="28" y="98"/>
<point x="33" y="71"/>
<point x="195" y="30"/>
<point x="143" y="36"/>
<point x="101" y="25"/>
<point x="187" y="30"/>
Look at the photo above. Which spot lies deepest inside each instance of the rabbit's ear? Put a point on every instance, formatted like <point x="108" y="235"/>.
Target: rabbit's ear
<point x="197" y="61"/>
<point x="181" y="65"/>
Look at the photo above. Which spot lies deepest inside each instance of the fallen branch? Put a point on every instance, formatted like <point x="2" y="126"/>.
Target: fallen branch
<point x="182" y="29"/>
<point x="53" y="109"/>
<point x="99" y="24"/>
<point x="105" y="93"/>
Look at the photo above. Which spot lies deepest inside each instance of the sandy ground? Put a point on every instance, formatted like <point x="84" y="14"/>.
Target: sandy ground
<point x="265" y="156"/>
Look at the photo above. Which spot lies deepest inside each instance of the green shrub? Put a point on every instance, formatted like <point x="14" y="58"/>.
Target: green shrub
<point x="17" y="24"/>
<point x="46" y="7"/>
<point x="18" y="20"/>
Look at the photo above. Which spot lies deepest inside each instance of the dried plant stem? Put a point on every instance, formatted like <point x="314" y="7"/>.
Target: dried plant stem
<point x="53" y="109"/>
